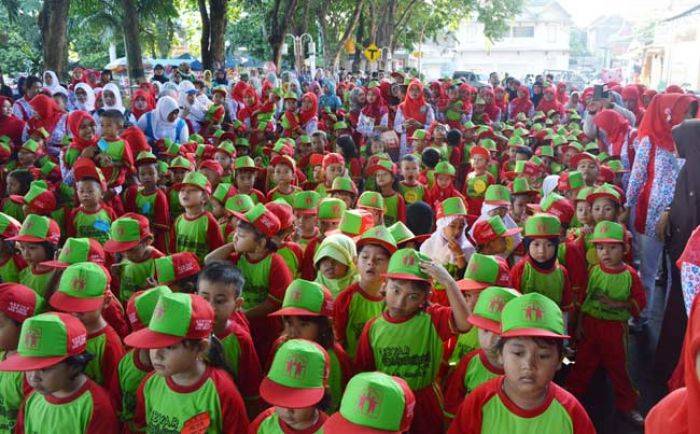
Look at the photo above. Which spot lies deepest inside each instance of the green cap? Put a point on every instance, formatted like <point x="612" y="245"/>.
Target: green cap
<point x="339" y="247"/>
<point x="483" y="271"/>
<point x="81" y="289"/>
<point x="451" y="206"/>
<point x="305" y="138"/>
<point x="343" y="184"/>
<point x="244" y="163"/>
<point x="545" y="151"/>
<point x="378" y="235"/>
<point x="532" y="315"/>
<point x="583" y="193"/>
<point x="609" y="232"/>
<point x="445" y="168"/>
<point x="489" y="144"/>
<point x="141" y="305"/>
<point x="489" y="306"/>
<point x="355" y="222"/>
<point x="419" y="134"/>
<point x="616" y="166"/>
<point x="242" y="141"/>
<point x="373" y="403"/>
<point x="241" y="203"/>
<point x="605" y="191"/>
<point x="146" y="157"/>
<point x="176" y="267"/>
<point x="341" y="125"/>
<point x="306" y="201"/>
<point x="298" y="375"/>
<point x="522" y="186"/>
<point x="196" y="179"/>
<point x="331" y="208"/>
<point x="468" y="125"/>
<point x="76" y="250"/>
<point x="516" y="141"/>
<point x="371" y="199"/>
<point x="557" y="141"/>
<point x="222" y="192"/>
<point x="30" y="145"/>
<point x="405" y="265"/>
<point x="196" y="138"/>
<point x="401" y="233"/>
<point x="227" y="147"/>
<point x="575" y="179"/>
<point x="497" y="194"/>
<point x="306" y="298"/>
<point x="576" y="145"/>
<point x="37" y="229"/>
<point x="542" y="226"/>
<point x="591" y="146"/>
<point x="181" y="163"/>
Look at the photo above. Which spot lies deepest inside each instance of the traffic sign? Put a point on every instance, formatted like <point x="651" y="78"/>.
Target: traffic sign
<point x="373" y="53"/>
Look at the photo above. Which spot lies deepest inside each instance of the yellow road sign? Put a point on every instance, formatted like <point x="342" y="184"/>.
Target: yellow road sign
<point x="373" y="53"/>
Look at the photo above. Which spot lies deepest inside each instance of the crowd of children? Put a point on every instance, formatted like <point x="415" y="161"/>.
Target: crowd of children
<point x="353" y="259"/>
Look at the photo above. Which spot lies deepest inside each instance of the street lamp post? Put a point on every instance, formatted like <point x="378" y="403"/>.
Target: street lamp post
<point x="386" y="55"/>
<point x="299" y="51"/>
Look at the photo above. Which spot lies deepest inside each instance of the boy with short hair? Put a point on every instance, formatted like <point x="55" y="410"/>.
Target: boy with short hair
<point x="93" y="217"/>
<point x="478" y="179"/>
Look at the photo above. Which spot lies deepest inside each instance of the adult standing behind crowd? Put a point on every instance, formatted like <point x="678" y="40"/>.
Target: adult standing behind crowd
<point x="22" y="109"/>
<point x="412" y="114"/>
<point x="49" y="116"/>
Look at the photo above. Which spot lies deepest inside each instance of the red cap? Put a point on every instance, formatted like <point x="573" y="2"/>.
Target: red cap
<point x="581" y="156"/>
<point x="316" y="160"/>
<point x="18" y="301"/>
<point x="606" y="174"/>
<point x="283" y="211"/>
<point x="42" y="204"/>
<point x="480" y="150"/>
<point x="484" y="233"/>
<point x="212" y="165"/>
<point x="283" y="159"/>
<point x="85" y="168"/>
<point x="333" y="158"/>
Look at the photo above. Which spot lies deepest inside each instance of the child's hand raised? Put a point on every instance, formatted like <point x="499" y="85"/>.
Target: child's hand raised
<point x="437" y="272"/>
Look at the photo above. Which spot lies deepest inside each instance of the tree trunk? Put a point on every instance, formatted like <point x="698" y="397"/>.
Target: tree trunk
<point x="352" y="22"/>
<point x="53" y="24"/>
<point x="204" y="39"/>
<point x="278" y="25"/>
<point x="132" y="42"/>
<point x="217" y="33"/>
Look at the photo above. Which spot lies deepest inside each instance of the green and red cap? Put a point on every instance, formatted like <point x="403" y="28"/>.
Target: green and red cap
<point x="38" y="229"/>
<point x="521" y="185"/>
<point x="445" y="168"/>
<point x="405" y="265"/>
<point x="32" y="146"/>
<point x="452" y="206"/>
<point x="176" y="267"/>
<point x="331" y="209"/>
<point x="489" y="307"/>
<point x="262" y="219"/>
<point x="556" y="205"/>
<point x="82" y="288"/>
<point x="244" y="163"/>
<point x="542" y="225"/>
<point x="382" y="165"/>
<point x="181" y="163"/>
<point x="85" y="169"/>
<point x="583" y="193"/>
<point x="532" y="315"/>
<point x="146" y="157"/>
<point x="355" y="222"/>
<point x="332" y="158"/>
<point x="497" y="194"/>
<point x="9" y="226"/>
<point x="19" y="302"/>
<point x="371" y="200"/>
<point x="176" y="317"/>
<point x="284" y="160"/>
<point x="479" y="150"/>
<point x="298" y="375"/>
<point x="343" y="184"/>
<point x="141" y="304"/>
<point x="284" y="212"/>
<point x="402" y="234"/>
<point x="373" y="403"/>
<point x="378" y="235"/>
<point x="212" y="165"/>
<point x="306" y="202"/>
<point x="306" y="298"/>
<point x="127" y="232"/>
<point x="483" y="271"/>
<point x="570" y="180"/>
<point x="39" y="199"/>
<point x="227" y="147"/>
<point x="223" y="191"/>
<point x="46" y="340"/>
<point x="195" y="179"/>
<point x="604" y="191"/>
<point x="492" y="228"/>
<point x="419" y="134"/>
<point x="77" y="250"/>
<point x="582" y="156"/>
<point x="607" y="232"/>
<point x="240" y="203"/>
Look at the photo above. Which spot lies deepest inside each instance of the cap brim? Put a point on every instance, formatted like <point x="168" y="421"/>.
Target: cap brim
<point x="534" y="207"/>
<point x="593" y="196"/>
<point x="287" y="397"/>
<point x="404" y="276"/>
<point x="533" y="333"/>
<point x="337" y="424"/>
<point x="147" y="339"/>
<point x="510" y="232"/>
<point x="471" y="285"/>
<point x="376" y="241"/>
<point x="27" y="238"/>
<point x="416" y="239"/>
<point x="55" y="264"/>
<point x="306" y="211"/>
<point x="16" y="198"/>
<point x="179" y="186"/>
<point x="497" y="202"/>
<point x="66" y="303"/>
<point x="113" y="246"/>
<point x="341" y="191"/>
<point x="485" y="323"/>
<point x="294" y="311"/>
<point x="17" y="362"/>
<point x="607" y="241"/>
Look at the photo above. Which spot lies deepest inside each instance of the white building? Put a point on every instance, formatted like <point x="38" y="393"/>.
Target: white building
<point x="538" y="39"/>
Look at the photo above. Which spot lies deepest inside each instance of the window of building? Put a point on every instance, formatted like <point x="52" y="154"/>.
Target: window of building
<point x="523" y="31"/>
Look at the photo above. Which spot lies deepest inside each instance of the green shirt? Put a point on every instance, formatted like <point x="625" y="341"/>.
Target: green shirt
<point x="92" y="225"/>
<point x="11" y="396"/>
<point x="549" y="284"/>
<point x="391" y="208"/>
<point x="412" y="193"/>
<point x="13" y="209"/>
<point x="466" y="343"/>
<point x="257" y="278"/>
<point x="616" y="286"/>
<point x="130" y="376"/>
<point x="9" y="271"/>
<point x="39" y="282"/>
<point x="360" y="309"/>
<point x="192" y="235"/>
<point x="477" y="372"/>
<point x="133" y="277"/>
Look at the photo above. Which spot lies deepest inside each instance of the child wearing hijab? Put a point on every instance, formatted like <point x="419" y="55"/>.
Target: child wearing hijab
<point x="443" y="188"/>
<point x="164" y="123"/>
<point x="335" y="263"/>
<point x="384" y="172"/>
<point x="448" y="245"/>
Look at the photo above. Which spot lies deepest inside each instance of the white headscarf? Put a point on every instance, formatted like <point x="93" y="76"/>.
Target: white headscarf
<point x="161" y="125"/>
<point x="54" y="81"/>
<point x="507" y="221"/>
<point x="169" y="89"/>
<point x="201" y="103"/>
<point x="118" y="105"/>
<point x="437" y="247"/>
<point x="89" y="105"/>
<point x="549" y="184"/>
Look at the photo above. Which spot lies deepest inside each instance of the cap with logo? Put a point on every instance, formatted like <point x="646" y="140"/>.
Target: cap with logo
<point x="445" y="168"/>
<point x="180" y="163"/>
<point x="283" y="211"/>
<point x="82" y="288"/>
<point x="284" y="160"/>
<point x="343" y="184"/>
<point x="176" y="267"/>
<point x="532" y="315"/>
<point x="77" y="250"/>
<point x="371" y="200"/>
<point x="306" y="298"/>
<point x="483" y="271"/>
<point x="127" y="232"/>
<point x="405" y="265"/>
<point x="492" y="228"/>
<point x="223" y="191"/>
<point x="402" y="234"/>
<point x="570" y="180"/>
<point x="37" y="229"/>
<point x="582" y="156"/>
<point x="195" y="179"/>
<point x="244" y="163"/>
<point x="497" y="194"/>
<point x="378" y="235"/>
<point x="373" y="403"/>
<point x="521" y="185"/>
<point x="382" y="165"/>
<point x="241" y="203"/>
<point x="298" y="375"/>
<point x="609" y="232"/>
<point x="176" y="317"/>
<point x="556" y="205"/>
<point x="9" y="226"/>
<point x="542" y="226"/>
<point x="332" y="158"/>
<point x="46" y="340"/>
<point x="452" y="206"/>
<point x="489" y="306"/>
<point x="19" y="302"/>
<point x="606" y="191"/>
<point x="306" y="202"/>
<point x="39" y="199"/>
<point x="355" y="222"/>
<point x="261" y="218"/>
<point x="331" y="209"/>
<point x="212" y="165"/>
<point x="141" y="304"/>
<point x="146" y="157"/>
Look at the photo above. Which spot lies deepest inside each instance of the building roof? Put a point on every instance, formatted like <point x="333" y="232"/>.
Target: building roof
<point x="692" y="11"/>
<point x="544" y="11"/>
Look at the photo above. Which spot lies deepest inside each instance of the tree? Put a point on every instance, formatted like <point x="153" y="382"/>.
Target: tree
<point x="53" y="23"/>
<point x="213" y="31"/>
<point x="335" y="36"/>
<point x="278" y="21"/>
<point x="131" y="40"/>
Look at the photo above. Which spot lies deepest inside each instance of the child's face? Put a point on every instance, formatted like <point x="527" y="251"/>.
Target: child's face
<point x="529" y="365"/>
<point x="333" y="171"/>
<point x="110" y="129"/>
<point x="479" y="162"/>
<point x="328" y="225"/>
<point x="348" y="198"/>
<point x="500" y="211"/>
<point x="9" y="333"/>
<point x="50" y="380"/>
<point x="603" y="209"/>
<point x="13" y="186"/>
<point x="589" y="170"/>
<point x="610" y="254"/>
<point x="33" y="253"/>
<point x="372" y="262"/>
<point x="454" y="229"/>
<point x="90" y="319"/>
<point x="443" y="181"/>
<point x="108" y="98"/>
<point x="174" y="359"/>
<point x="306" y="223"/>
<point x="409" y="171"/>
<point x="138" y="253"/>
<point x="566" y="157"/>
<point x="297" y="418"/>
<point x="224" y="159"/>
<point x="487" y="340"/>
<point x="5" y="108"/>
<point x="283" y="174"/>
<point x="178" y="175"/>
<point x="377" y="215"/>
<point x="318" y="143"/>
<point x="211" y="176"/>
<point x="332" y="269"/>
<point x="290" y="104"/>
<point x="583" y="212"/>
<point x="148" y="175"/>
<point x="26" y="158"/>
<point x="520" y="202"/>
<point x="246" y="241"/>
<point x="191" y="197"/>
<point x="222" y="298"/>
<point x="542" y="249"/>
<point x="439" y="133"/>
<point x="403" y="298"/>
<point x="317" y="174"/>
<point x="218" y="98"/>
<point x="384" y="178"/>
<point x="87" y="129"/>
<point x="89" y="193"/>
<point x="217" y="209"/>
<point x="245" y="179"/>
<point x="494" y="247"/>
<point x="299" y="327"/>
<point x="376" y="146"/>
